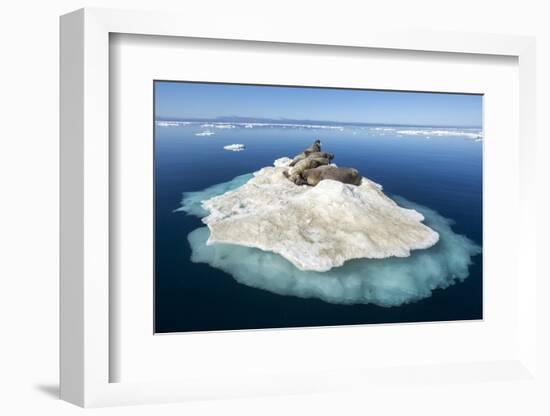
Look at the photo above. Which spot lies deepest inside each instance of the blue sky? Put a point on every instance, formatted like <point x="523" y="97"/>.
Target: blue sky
<point x="182" y="100"/>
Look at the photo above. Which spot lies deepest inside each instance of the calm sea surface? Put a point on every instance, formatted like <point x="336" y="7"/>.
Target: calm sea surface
<point x="442" y="173"/>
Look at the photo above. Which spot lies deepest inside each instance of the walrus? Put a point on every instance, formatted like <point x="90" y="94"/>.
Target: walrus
<point x="345" y="175"/>
<point x="315" y="147"/>
<point x="302" y="156"/>
<point x="320" y="160"/>
<point x="295" y="173"/>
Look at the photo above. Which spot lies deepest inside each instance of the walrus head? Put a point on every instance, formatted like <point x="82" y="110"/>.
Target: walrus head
<point x="315" y="147"/>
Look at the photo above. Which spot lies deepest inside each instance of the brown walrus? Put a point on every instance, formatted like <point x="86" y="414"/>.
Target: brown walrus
<point x="302" y="156"/>
<point x="315" y="147"/>
<point x="295" y="173"/>
<point x="345" y="175"/>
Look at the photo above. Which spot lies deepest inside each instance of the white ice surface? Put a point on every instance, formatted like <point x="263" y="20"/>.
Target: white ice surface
<point x="315" y="228"/>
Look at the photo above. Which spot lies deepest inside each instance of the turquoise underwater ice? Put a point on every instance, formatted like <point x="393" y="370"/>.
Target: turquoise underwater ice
<point x="384" y="282"/>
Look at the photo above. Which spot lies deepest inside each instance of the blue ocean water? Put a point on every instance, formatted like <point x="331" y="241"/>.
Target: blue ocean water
<point x="437" y="168"/>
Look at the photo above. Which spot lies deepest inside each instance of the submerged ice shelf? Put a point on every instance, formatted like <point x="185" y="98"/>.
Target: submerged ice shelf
<point x="315" y="228"/>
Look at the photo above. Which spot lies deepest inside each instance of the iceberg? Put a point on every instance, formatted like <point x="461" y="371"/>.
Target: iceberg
<point x="384" y="282"/>
<point x="315" y="228"/>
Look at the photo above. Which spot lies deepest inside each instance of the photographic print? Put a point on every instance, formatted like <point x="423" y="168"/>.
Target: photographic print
<point x="290" y="206"/>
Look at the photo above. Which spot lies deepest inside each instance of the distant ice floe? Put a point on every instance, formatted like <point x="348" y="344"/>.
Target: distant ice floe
<point x="428" y="132"/>
<point x="247" y="125"/>
<point x="205" y="133"/>
<point x="384" y="130"/>
<point x="279" y="125"/>
<point x="162" y="123"/>
<point x="313" y="126"/>
<point x="235" y="147"/>
<point x="384" y="282"/>
<point x="219" y="125"/>
<point x="442" y="133"/>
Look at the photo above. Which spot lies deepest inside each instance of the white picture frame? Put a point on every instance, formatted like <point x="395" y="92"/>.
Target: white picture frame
<point x="85" y="220"/>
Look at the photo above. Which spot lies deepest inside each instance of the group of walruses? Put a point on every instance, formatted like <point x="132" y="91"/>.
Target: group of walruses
<point x="312" y="166"/>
